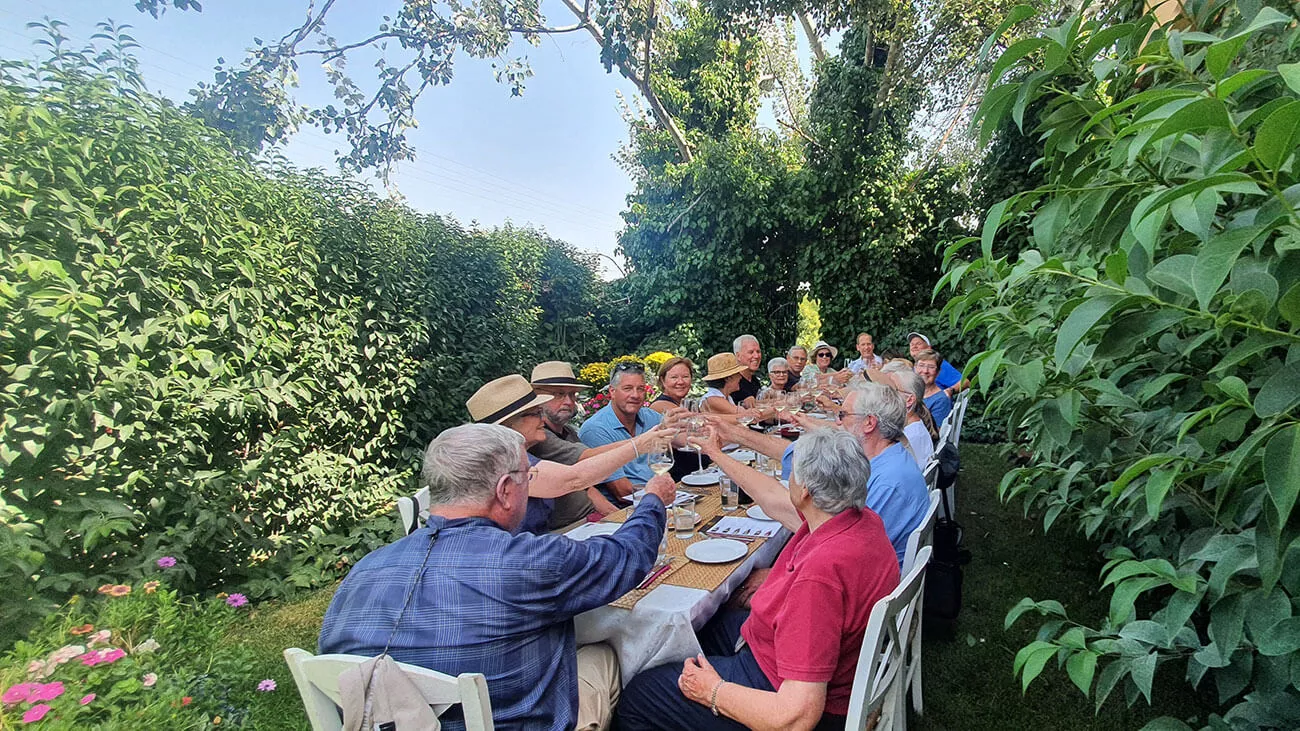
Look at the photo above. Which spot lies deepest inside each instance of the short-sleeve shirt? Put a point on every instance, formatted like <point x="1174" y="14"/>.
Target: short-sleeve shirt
<point x="809" y="617"/>
<point x="948" y="375"/>
<point x="538" y="513"/>
<point x="859" y="365"/>
<point x="564" y="447"/>
<point x="939" y="405"/>
<point x="604" y="428"/>
<point x="922" y="445"/>
<point x="748" y="387"/>
<point x="896" y="491"/>
<point x="715" y="393"/>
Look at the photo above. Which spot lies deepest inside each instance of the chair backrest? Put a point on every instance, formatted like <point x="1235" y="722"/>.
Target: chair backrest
<point x="880" y="663"/>
<point x="317" y="677"/>
<point x="413" y="510"/>
<point x="959" y="415"/>
<point x="945" y="433"/>
<point x="923" y="536"/>
<point x="931" y="473"/>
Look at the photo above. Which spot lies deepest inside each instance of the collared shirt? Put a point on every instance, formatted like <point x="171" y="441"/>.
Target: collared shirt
<point x="564" y="447"/>
<point x="896" y="492"/>
<point x="604" y="428"/>
<point x="859" y="365"/>
<point x="809" y="617"/>
<point x="493" y="603"/>
<point x="539" y="509"/>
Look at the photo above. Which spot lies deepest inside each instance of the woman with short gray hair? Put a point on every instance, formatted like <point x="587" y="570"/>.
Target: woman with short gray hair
<point x="814" y="605"/>
<point x="920" y="431"/>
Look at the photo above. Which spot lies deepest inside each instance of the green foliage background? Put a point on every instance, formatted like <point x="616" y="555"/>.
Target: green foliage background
<point x="232" y="364"/>
<point x="1143" y="315"/>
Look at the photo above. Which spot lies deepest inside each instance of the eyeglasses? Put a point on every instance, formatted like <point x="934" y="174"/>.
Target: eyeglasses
<point x="633" y="367"/>
<point x="823" y="355"/>
<point x="529" y="474"/>
<point x="536" y="411"/>
<point x="779" y="373"/>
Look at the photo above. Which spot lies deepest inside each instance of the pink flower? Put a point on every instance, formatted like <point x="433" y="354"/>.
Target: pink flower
<point x="266" y="686"/>
<point x="86" y="698"/>
<point x="64" y="654"/>
<point x="119" y="590"/>
<point x="111" y="655"/>
<point x="99" y="638"/>
<point x="150" y="679"/>
<point x="35" y="667"/>
<point x="35" y="713"/>
<point x="18" y="693"/>
<point x="89" y="659"/>
<point x="47" y="692"/>
<point x="236" y="600"/>
<point x="166" y="562"/>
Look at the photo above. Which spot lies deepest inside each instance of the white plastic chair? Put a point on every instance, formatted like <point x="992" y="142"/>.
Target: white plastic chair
<point x="922" y="537"/>
<point x="317" y="677"/>
<point x="931" y="474"/>
<point x="413" y="510"/>
<point x="959" y="415"/>
<point x="878" y="682"/>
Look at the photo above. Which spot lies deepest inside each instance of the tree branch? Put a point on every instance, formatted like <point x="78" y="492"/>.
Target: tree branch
<point x="801" y="133"/>
<point x="814" y="42"/>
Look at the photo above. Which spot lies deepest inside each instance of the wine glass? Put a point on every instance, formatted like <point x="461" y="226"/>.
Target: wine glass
<point x="695" y="429"/>
<point x="744" y="417"/>
<point x="660" y="460"/>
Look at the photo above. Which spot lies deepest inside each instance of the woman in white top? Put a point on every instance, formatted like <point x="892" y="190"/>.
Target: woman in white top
<point x="723" y="378"/>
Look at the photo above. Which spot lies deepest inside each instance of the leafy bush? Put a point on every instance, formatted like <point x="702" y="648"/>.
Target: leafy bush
<point x="231" y="364"/>
<point x="1145" y="341"/>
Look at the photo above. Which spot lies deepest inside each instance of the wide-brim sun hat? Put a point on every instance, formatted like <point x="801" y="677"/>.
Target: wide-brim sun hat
<point x="918" y="335"/>
<point x="556" y="373"/>
<point x="835" y="352"/>
<point x="723" y="365"/>
<point x="502" y="398"/>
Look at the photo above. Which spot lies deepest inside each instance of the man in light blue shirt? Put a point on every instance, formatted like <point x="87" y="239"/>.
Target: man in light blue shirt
<point x="896" y="491"/>
<point x="624" y="417"/>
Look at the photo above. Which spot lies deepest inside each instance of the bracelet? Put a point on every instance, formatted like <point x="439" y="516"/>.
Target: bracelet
<point x="713" y="702"/>
<point x="635" y="451"/>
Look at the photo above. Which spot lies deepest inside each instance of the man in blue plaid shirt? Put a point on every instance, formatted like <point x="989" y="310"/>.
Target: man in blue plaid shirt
<point x="493" y="601"/>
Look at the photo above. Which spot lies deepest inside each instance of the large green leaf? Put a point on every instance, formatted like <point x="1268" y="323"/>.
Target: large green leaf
<point x="1222" y="53"/>
<point x="1081" y="321"/>
<point x="1215" y="260"/>
<point x="1174" y="274"/>
<point x="1280" y="393"/>
<point x="1276" y="138"/>
<point x="1282" y="470"/>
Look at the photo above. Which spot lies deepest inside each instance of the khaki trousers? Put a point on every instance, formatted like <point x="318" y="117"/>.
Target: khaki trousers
<point x="599" y="685"/>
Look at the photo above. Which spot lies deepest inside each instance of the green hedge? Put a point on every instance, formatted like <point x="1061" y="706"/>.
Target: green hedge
<point x="225" y="362"/>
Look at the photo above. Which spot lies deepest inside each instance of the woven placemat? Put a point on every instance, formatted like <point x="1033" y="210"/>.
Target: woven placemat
<point x="685" y="572"/>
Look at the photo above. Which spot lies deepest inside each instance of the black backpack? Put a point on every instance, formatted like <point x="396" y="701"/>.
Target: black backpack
<point x="943" y="578"/>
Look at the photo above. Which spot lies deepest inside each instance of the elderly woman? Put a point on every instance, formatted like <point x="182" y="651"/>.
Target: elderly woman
<point x="675" y="378"/>
<point x="807" y="619"/>
<point x="778" y="373"/>
<point x="723" y="380"/>
<point x="936" y="398"/>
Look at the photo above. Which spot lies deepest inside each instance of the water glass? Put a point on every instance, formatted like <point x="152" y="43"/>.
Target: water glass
<point x="684" y="520"/>
<point x="730" y="494"/>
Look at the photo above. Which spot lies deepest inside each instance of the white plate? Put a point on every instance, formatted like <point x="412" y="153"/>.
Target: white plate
<point x="757" y="513"/>
<point x="716" y="550"/>
<point x="708" y="478"/>
<point x="743" y="455"/>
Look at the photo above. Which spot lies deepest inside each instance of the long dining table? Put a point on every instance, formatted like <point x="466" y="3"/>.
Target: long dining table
<point x="660" y="625"/>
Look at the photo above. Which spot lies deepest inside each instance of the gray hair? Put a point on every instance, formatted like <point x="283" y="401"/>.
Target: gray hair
<point x="739" y="343"/>
<point x="464" y="463"/>
<point x="912" y="383"/>
<point x="882" y="402"/>
<point x="794" y="348"/>
<point x="895" y="366"/>
<point x="777" y="363"/>
<point x="616" y="375"/>
<point x="833" y="469"/>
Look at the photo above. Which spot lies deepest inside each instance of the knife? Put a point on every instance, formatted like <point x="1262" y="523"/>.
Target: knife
<point x="654" y="575"/>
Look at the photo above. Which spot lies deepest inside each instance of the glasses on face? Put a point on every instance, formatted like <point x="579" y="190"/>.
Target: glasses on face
<point x="779" y="373"/>
<point x="529" y="474"/>
<point x="536" y="411"/>
<point x="823" y="355"/>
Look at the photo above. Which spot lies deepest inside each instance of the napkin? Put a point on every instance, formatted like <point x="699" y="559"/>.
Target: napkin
<point x="738" y="526"/>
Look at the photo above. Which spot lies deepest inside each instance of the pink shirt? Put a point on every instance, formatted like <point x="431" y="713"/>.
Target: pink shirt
<point x="809" y="617"/>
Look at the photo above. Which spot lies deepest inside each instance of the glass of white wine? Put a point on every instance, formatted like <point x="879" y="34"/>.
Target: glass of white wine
<point x="660" y="460"/>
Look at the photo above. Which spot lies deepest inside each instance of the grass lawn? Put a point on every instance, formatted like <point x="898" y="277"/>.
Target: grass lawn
<point x="968" y="681"/>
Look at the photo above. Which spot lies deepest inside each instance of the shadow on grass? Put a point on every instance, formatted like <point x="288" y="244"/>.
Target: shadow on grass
<point x="968" y="682"/>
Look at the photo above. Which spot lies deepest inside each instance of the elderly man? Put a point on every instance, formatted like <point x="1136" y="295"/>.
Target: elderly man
<point x="562" y="444"/>
<point x="750" y="355"/>
<point x="469" y="593"/>
<point x="511" y="402"/>
<point x="949" y="378"/>
<point x="797" y="357"/>
<point x="866" y="346"/>
<point x="875" y="415"/>
<point x="624" y="417"/>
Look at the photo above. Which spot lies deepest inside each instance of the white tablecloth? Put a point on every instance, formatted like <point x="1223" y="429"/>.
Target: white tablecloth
<point x="661" y="627"/>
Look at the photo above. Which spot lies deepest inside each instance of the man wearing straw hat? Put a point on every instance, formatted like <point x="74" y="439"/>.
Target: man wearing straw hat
<point x="511" y="402"/>
<point x="555" y="379"/>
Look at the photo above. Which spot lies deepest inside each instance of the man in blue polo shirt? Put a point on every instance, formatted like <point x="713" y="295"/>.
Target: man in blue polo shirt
<point x="624" y="417"/>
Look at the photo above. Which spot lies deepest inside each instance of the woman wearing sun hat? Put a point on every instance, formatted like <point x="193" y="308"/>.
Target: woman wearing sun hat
<point x="511" y="402"/>
<point x="723" y="380"/>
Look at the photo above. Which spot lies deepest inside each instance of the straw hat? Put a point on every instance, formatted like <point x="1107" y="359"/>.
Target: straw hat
<point x="723" y="365"/>
<point x="556" y="373"/>
<point x="835" y="352"/>
<point x="503" y="398"/>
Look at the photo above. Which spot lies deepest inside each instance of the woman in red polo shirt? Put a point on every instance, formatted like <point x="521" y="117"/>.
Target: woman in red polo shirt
<point x="807" y="620"/>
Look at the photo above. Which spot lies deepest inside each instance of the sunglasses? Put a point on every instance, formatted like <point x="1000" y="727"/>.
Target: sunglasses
<point x="823" y="355"/>
<point x="633" y="367"/>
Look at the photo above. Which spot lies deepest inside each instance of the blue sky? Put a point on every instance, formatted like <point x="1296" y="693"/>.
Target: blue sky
<point x="543" y="159"/>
